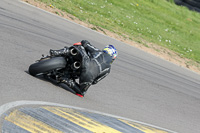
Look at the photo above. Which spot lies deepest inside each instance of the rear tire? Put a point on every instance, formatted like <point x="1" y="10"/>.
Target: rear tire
<point x="47" y="65"/>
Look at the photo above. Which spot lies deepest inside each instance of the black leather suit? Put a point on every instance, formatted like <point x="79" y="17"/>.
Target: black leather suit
<point x="95" y="66"/>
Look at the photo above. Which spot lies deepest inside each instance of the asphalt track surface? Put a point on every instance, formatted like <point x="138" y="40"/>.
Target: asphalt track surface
<point x="141" y="87"/>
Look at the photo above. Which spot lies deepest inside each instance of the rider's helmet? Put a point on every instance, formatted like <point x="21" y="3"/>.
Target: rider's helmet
<point x="111" y="50"/>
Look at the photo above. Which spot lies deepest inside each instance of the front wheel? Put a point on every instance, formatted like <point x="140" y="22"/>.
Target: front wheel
<point x="48" y="65"/>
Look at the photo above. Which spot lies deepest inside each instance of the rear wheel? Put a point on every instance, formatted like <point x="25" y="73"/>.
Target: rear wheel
<point x="48" y="65"/>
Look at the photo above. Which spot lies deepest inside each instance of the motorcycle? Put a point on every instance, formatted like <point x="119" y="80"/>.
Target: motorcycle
<point x="54" y="68"/>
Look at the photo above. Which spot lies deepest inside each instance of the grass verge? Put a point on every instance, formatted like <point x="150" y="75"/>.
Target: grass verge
<point x="156" y="21"/>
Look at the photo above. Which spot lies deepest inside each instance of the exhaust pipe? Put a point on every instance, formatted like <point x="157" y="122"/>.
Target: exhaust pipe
<point x="76" y="65"/>
<point x="73" y="51"/>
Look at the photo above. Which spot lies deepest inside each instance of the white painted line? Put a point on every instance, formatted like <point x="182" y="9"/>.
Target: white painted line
<point x="11" y="105"/>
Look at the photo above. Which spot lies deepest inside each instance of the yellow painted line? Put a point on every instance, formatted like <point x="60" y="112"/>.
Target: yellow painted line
<point x="29" y="123"/>
<point x="81" y="120"/>
<point x="144" y="128"/>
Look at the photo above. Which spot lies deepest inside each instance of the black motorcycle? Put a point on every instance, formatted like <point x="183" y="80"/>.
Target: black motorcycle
<point x="55" y="68"/>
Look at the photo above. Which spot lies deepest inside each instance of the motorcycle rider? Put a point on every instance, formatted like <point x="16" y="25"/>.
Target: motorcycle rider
<point x="96" y="65"/>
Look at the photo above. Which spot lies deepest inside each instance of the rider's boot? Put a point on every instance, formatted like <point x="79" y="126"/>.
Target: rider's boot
<point x="63" y="51"/>
<point x="84" y="88"/>
<point x="73" y="85"/>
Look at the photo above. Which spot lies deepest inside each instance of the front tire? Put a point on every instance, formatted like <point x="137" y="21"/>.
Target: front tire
<point x="47" y="65"/>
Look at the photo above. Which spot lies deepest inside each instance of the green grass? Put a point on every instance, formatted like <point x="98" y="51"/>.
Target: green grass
<point x="155" y="21"/>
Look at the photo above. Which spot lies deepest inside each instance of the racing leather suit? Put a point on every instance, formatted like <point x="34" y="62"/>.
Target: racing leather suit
<point x="95" y="66"/>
